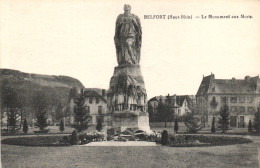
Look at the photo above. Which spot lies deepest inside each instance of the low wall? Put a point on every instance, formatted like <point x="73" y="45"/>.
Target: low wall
<point x="161" y="124"/>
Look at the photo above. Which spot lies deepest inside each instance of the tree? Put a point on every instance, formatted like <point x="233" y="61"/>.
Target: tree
<point x="166" y="109"/>
<point x="213" y="128"/>
<point x="62" y="128"/>
<point x="150" y="112"/>
<point x="99" y="125"/>
<point x="40" y="104"/>
<point x="81" y="114"/>
<point x="256" y="124"/>
<point x="25" y="126"/>
<point x="12" y="106"/>
<point x="59" y="112"/>
<point x="224" y="118"/>
<point x="250" y="126"/>
<point x="41" y="121"/>
<point x="176" y="126"/>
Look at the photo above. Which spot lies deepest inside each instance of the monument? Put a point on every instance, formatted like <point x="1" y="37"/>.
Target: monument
<point x="126" y="97"/>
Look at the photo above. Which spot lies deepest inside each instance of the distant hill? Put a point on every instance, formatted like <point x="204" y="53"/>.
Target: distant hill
<point x="57" y="88"/>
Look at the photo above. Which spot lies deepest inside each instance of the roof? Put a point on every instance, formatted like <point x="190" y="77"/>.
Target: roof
<point x="93" y="93"/>
<point x="226" y="86"/>
<point x="180" y="100"/>
<point x="204" y="86"/>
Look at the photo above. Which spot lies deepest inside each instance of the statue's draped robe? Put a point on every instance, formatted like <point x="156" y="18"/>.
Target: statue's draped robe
<point x="128" y="38"/>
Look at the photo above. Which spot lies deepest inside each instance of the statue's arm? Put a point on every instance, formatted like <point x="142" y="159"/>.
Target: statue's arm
<point x="138" y="28"/>
<point x="116" y="38"/>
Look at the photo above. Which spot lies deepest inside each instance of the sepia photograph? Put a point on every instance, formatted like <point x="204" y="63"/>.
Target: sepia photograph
<point x="129" y="84"/>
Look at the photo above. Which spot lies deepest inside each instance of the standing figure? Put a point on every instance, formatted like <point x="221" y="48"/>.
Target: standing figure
<point x="121" y="97"/>
<point x="131" y="97"/>
<point x="128" y="37"/>
<point x="141" y="98"/>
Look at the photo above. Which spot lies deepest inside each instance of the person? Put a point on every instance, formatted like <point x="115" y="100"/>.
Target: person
<point x="128" y="37"/>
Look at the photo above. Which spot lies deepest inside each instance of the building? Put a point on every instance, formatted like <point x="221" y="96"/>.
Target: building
<point x="242" y="96"/>
<point x="95" y="103"/>
<point x="181" y="105"/>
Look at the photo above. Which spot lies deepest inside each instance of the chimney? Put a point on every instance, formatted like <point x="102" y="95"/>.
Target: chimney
<point x="233" y="79"/>
<point x="103" y="93"/>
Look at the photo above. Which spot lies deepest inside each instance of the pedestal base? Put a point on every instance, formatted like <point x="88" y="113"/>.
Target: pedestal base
<point x="129" y="119"/>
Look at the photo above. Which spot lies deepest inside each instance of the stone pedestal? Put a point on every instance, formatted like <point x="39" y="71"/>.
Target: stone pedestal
<point x="129" y="119"/>
<point x="125" y="77"/>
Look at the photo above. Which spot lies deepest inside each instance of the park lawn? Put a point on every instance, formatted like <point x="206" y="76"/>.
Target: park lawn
<point x="244" y="155"/>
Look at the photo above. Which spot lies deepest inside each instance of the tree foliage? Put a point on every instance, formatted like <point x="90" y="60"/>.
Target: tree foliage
<point x="81" y="114"/>
<point x="59" y="112"/>
<point x="13" y="108"/>
<point x="224" y="118"/>
<point x="41" y="121"/>
<point x="40" y="104"/>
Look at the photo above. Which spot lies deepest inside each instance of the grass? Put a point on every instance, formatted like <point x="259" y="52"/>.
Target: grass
<point x="74" y="156"/>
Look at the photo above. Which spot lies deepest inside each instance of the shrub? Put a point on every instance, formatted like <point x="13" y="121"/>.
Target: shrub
<point x="213" y="128"/>
<point x="176" y="126"/>
<point x="192" y="123"/>
<point x="250" y="127"/>
<point x="99" y="125"/>
<point x="62" y="128"/>
<point x="74" y="138"/>
<point x="165" y="137"/>
<point x="25" y="126"/>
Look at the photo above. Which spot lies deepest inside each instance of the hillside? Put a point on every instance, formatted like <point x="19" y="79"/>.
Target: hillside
<point x="25" y="85"/>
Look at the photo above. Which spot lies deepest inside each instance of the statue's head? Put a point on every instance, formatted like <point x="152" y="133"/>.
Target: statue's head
<point x="127" y="8"/>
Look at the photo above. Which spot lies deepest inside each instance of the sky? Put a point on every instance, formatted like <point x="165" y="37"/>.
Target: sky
<point x="76" y="38"/>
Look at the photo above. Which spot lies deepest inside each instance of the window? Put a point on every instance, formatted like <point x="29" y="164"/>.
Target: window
<point x="213" y="89"/>
<point x="179" y="111"/>
<point x="242" y="109"/>
<point x="233" y="100"/>
<point x="250" y="99"/>
<point x="250" y="109"/>
<point x="242" y="99"/>
<point x="90" y="100"/>
<point x="97" y="100"/>
<point x="233" y="109"/>
<point x="224" y="100"/>
<point x="99" y="109"/>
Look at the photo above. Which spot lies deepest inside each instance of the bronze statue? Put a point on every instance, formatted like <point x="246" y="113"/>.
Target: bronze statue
<point x="128" y="37"/>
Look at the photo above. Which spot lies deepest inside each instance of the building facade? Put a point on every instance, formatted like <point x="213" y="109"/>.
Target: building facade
<point x="242" y="96"/>
<point x="181" y="105"/>
<point x="95" y="103"/>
